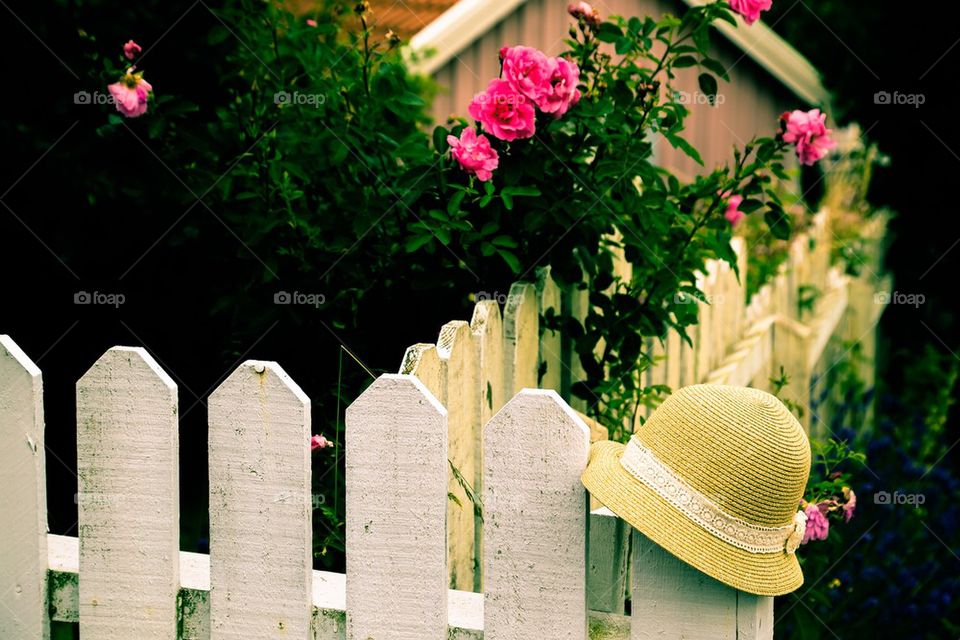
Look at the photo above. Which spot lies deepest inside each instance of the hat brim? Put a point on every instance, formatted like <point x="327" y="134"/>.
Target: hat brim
<point x="764" y="574"/>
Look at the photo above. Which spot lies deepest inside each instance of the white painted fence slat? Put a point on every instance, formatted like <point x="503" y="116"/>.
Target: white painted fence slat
<point x="461" y="397"/>
<point x="23" y="501"/>
<point x="128" y="498"/>
<point x="551" y="359"/>
<point x="609" y="538"/>
<point x="521" y="334"/>
<point x="260" y="508"/>
<point x="536" y="520"/>
<point x="487" y="328"/>
<point x="396" y="479"/>
<point x="672" y="600"/>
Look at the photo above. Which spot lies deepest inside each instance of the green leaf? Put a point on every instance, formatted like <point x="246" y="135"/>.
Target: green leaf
<point x="708" y="85"/>
<point x="779" y="222"/>
<point x="521" y="191"/>
<point x="506" y="242"/>
<point x="440" y="139"/>
<point x="443" y="235"/>
<point x="623" y="46"/>
<point x="716" y="67"/>
<point x="416" y="242"/>
<point x="507" y="200"/>
<point x="684" y="61"/>
<point x="510" y="259"/>
<point x="679" y="143"/>
<point x="609" y="32"/>
<point x="453" y="207"/>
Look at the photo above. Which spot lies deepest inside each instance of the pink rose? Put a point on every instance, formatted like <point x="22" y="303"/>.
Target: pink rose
<point x="808" y="132"/>
<point x="732" y="213"/>
<point x="583" y="11"/>
<point x="503" y="111"/>
<point x="319" y="442"/>
<point x="474" y="153"/>
<point x="850" y="505"/>
<point x="818" y="527"/>
<point x="131" y="50"/>
<point x="561" y="93"/>
<point x="750" y="9"/>
<point x="311" y="22"/>
<point x="130" y="94"/>
<point x="528" y="70"/>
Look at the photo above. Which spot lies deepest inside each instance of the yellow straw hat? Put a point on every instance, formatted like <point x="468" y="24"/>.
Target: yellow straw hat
<point x="715" y="477"/>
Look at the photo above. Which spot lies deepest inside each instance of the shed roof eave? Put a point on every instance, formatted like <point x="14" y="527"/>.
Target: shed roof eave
<point x="464" y="22"/>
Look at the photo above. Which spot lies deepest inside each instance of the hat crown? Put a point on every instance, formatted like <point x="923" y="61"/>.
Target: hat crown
<point x="739" y="447"/>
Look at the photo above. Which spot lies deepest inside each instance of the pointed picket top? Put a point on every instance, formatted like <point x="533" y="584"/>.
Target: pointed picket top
<point x="396" y="483"/>
<point x="128" y="497"/>
<point x="23" y="501"/>
<point x="521" y="335"/>
<point x="535" y="563"/>
<point x="261" y="555"/>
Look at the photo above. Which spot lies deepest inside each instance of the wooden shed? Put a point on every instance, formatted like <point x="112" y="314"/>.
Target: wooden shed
<point x="462" y="40"/>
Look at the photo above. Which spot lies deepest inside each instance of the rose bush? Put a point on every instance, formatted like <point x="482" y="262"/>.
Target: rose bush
<point x="318" y="160"/>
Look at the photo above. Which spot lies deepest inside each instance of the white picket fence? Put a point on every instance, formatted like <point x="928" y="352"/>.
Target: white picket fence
<point x="475" y="367"/>
<point x="547" y="560"/>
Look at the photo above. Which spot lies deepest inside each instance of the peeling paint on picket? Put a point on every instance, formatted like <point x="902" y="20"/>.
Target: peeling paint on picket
<point x="261" y="555"/>
<point x="396" y="479"/>
<point x="23" y="501"/>
<point x="535" y="526"/>
<point x="128" y="498"/>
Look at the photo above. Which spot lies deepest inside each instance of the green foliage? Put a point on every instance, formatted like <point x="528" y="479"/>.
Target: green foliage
<point x="320" y="160"/>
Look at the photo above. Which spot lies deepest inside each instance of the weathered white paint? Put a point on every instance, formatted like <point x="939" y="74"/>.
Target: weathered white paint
<point x="550" y="360"/>
<point x="396" y="481"/>
<point x="128" y="498"/>
<point x="536" y="520"/>
<point x="487" y="328"/>
<point x="608" y="561"/>
<point x="461" y="398"/>
<point x="260" y="514"/>
<point x="23" y="501"/>
<point x="465" y="607"/>
<point x="521" y="336"/>
<point x="670" y="600"/>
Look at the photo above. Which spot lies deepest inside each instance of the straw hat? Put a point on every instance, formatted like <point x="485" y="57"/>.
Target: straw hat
<point x="715" y="477"/>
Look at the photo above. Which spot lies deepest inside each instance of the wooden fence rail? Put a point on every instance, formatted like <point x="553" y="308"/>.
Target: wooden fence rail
<point x="547" y="558"/>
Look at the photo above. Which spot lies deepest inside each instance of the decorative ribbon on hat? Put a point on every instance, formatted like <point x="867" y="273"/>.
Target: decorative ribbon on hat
<point x="643" y="465"/>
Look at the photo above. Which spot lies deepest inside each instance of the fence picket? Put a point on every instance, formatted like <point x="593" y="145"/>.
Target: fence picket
<point x="128" y="498"/>
<point x="535" y="520"/>
<point x="261" y="556"/>
<point x="551" y="364"/>
<point x="396" y="480"/>
<point x="487" y="328"/>
<point x="461" y="396"/>
<point x="609" y="538"/>
<point x="521" y="335"/>
<point x="671" y="599"/>
<point x="23" y="502"/>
